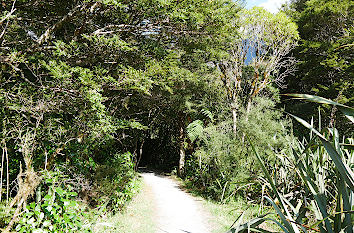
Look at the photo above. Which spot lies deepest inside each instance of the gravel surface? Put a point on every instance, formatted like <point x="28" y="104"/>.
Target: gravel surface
<point x="176" y="211"/>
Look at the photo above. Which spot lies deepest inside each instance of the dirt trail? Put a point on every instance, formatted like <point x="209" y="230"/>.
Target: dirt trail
<point x="176" y="211"/>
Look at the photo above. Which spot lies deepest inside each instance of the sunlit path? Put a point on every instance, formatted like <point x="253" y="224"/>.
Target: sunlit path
<point x="177" y="211"/>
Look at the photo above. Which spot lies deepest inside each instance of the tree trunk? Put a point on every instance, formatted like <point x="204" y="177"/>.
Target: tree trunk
<point x="248" y="107"/>
<point x="234" y="119"/>
<point x="182" y="153"/>
<point x="140" y="153"/>
<point x="135" y="156"/>
<point x="249" y="104"/>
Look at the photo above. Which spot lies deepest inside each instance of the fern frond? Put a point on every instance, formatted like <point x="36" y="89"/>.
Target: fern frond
<point x="207" y="114"/>
<point x="195" y="130"/>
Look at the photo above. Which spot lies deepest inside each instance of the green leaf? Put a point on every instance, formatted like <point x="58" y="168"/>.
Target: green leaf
<point x="281" y="215"/>
<point x="346" y="110"/>
<point x="291" y="227"/>
<point x="195" y="130"/>
<point x="60" y="191"/>
<point x="47" y="197"/>
<point x="251" y="224"/>
<point x="73" y="194"/>
<point x="343" y="168"/>
<point x="344" y="194"/>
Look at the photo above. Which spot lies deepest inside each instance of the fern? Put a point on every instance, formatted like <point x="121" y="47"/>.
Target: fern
<point x="195" y="130"/>
<point x="207" y="114"/>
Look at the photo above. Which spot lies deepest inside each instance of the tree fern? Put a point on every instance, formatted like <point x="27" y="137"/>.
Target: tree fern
<point x="195" y="130"/>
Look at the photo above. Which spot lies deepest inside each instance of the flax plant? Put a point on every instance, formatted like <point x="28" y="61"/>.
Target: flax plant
<point x="325" y="165"/>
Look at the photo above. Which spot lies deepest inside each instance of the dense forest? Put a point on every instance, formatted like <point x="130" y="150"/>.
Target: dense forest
<point x="90" y="90"/>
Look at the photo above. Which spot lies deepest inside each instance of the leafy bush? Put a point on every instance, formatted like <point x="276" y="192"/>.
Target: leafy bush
<point x="55" y="210"/>
<point x="115" y="180"/>
<point x="223" y="165"/>
<point x="63" y="203"/>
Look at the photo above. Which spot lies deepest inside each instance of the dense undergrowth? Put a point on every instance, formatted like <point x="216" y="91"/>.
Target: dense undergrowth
<point x="223" y="165"/>
<point x="71" y="199"/>
<point x="322" y="198"/>
<point x="308" y="187"/>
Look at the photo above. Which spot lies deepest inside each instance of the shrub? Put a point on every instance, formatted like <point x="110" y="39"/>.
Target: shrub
<point x="223" y="164"/>
<point x="115" y="180"/>
<point x="55" y="210"/>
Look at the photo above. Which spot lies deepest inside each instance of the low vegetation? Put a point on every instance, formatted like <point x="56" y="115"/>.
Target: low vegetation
<point x="321" y="200"/>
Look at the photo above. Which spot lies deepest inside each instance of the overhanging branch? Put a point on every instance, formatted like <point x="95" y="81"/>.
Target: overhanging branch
<point x="79" y="9"/>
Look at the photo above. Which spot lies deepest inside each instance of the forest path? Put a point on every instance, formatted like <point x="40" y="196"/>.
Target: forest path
<point x="175" y="210"/>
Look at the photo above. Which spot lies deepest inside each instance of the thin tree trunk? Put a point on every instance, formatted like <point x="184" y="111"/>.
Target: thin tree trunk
<point x="7" y="175"/>
<point x="2" y="171"/>
<point x="248" y="110"/>
<point x="140" y="153"/>
<point x="135" y="155"/>
<point x="182" y="156"/>
<point x="234" y="119"/>
<point x="182" y="153"/>
<point x="248" y="107"/>
<point x="234" y="107"/>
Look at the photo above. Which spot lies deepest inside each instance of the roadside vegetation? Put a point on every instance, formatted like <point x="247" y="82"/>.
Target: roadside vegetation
<point x="91" y="90"/>
<point x="138" y="216"/>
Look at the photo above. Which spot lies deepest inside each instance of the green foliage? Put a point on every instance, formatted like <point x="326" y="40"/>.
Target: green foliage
<point x="325" y="64"/>
<point x="116" y="180"/>
<point x="326" y="173"/>
<point x="222" y="165"/>
<point x="195" y="130"/>
<point x="92" y="87"/>
<point x="347" y="111"/>
<point x="82" y="82"/>
<point x="277" y="31"/>
<point x="55" y="209"/>
<point x="265" y="126"/>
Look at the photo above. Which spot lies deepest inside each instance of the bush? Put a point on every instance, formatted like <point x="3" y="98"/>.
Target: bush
<point x="64" y="200"/>
<point x="223" y="164"/>
<point x="115" y="180"/>
<point x="55" y="210"/>
<point x="324" y="166"/>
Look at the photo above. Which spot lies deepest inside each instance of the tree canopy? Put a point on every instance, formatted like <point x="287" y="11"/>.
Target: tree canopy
<point x="324" y="55"/>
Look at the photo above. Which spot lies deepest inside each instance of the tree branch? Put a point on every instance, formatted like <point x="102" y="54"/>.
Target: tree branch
<point x="77" y="10"/>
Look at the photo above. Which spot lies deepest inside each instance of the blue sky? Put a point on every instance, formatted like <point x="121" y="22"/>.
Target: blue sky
<point x="271" y="5"/>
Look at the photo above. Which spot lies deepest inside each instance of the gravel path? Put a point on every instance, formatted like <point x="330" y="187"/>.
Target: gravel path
<point x="176" y="211"/>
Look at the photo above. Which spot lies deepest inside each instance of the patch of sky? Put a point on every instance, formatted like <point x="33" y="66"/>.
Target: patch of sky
<point x="251" y="54"/>
<point x="271" y="5"/>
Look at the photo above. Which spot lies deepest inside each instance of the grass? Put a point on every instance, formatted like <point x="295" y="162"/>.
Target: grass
<point x="137" y="217"/>
<point x="224" y="215"/>
<point x="139" y="214"/>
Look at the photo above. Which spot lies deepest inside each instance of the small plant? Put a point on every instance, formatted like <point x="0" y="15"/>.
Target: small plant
<point x="55" y="211"/>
